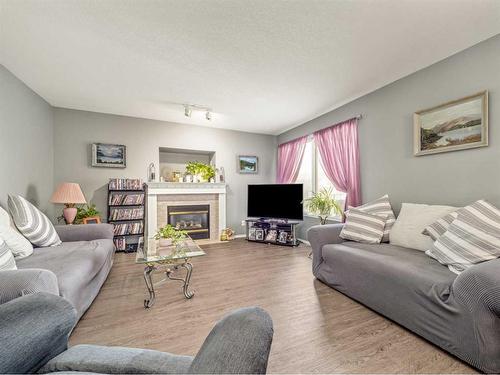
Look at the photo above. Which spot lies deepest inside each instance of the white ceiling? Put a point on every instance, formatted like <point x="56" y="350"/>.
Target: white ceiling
<point x="263" y="66"/>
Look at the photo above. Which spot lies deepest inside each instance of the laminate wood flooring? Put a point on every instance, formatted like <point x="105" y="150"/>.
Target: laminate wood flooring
<point x="316" y="329"/>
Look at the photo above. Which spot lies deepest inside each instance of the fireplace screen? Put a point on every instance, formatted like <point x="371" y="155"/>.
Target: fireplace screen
<point x="194" y="219"/>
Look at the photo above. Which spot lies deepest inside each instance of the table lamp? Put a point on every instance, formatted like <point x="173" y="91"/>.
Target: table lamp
<point x="69" y="194"/>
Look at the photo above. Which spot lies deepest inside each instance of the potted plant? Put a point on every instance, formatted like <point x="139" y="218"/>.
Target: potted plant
<point x="323" y="205"/>
<point x="83" y="212"/>
<point x="169" y="235"/>
<point x="203" y="171"/>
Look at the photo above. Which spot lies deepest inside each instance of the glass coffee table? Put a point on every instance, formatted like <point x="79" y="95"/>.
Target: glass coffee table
<point x="170" y="259"/>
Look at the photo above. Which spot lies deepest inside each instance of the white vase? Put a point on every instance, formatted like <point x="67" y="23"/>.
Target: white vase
<point x="164" y="242"/>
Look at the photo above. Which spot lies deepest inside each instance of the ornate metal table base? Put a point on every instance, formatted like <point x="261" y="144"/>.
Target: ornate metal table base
<point x="170" y="268"/>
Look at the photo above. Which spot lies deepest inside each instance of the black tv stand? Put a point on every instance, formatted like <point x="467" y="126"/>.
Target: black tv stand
<point x="272" y="231"/>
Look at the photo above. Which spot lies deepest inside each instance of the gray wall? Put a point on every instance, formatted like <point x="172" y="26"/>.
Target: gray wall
<point x="26" y="137"/>
<point x="386" y="139"/>
<point x="75" y="130"/>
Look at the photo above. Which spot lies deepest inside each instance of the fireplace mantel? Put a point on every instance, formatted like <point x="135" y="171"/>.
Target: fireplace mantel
<point x="156" y="189"/>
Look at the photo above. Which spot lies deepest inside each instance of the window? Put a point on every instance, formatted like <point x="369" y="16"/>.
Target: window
<point x="312" y="175"/>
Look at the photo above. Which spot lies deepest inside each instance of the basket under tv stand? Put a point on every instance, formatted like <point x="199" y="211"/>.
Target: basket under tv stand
<point x="273" y="231"/>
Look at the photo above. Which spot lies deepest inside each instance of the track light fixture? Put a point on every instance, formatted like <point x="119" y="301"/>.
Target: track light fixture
<point x="189" y="108"/>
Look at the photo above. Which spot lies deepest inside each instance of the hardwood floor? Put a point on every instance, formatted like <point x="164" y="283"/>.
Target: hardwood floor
<point x="317" y="330"/>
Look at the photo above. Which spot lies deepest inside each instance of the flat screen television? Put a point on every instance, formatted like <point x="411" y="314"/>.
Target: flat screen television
<point x="278" y="201"/>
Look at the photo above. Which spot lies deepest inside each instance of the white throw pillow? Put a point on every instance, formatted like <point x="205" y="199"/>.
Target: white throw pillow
<point x="412" y="220"/>
<point x="20" y="246"/>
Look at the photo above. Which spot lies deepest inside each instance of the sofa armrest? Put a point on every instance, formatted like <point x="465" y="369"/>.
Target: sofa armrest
<point x="238" y="344"/>
<point x="117" y="360"/>
<point x="33" y="330"/>
<point x="477" y="292"/>
<point x="17" y="283"/>
<point x="479" y="287"/>
<point x="84" y="232"/>
<point x="320" y="235"/>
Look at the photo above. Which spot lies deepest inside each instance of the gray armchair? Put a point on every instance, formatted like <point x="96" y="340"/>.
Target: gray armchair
<point x="34" y="332"/>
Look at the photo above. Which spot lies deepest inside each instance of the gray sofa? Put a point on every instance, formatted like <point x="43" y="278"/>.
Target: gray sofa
<point x="74" y="270"/>
<point x="238" y="344"/>
<point x="460" y="314"/>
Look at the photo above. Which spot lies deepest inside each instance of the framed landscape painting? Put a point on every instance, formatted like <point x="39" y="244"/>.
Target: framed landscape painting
<point x="109" y="155"/>
<point x="457" y="125"/>
<point x="247" y="164"/>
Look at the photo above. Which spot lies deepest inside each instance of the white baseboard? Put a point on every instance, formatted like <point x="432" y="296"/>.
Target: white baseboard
<point x="239" y="235"/>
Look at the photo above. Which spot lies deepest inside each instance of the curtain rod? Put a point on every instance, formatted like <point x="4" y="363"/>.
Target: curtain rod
<point x="309" y="135"/>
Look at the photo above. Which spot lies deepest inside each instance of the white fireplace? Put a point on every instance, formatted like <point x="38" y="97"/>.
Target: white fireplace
<point x="165" y="198"/>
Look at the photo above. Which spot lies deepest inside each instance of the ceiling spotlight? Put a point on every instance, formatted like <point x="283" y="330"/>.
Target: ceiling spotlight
<point x="208" y="115"/>
<point x="187" y="111"/>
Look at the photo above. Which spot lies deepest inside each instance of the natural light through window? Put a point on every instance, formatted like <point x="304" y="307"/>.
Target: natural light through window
<point x="312" y="175"/>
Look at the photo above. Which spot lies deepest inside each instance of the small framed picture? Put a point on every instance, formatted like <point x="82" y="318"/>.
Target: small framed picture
<point x="251" y="234"/>
<point x="259" y="234"/>
<point x="92" y="220"/>
<point x="283" y="237"/>
<point x="248" y="164"/>
<point x="109" y="155"/>
<point x="271" y="235"/>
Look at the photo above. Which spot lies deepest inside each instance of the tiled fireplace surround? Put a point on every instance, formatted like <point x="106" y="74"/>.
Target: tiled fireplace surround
<point x="162" y="195"/>
<point x="186" y="200"/>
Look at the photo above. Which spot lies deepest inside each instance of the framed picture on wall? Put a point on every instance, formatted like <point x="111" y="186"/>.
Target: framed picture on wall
<point x="456" y="125"/>
<point x="109" y="155"/>
<point x="248" y="164"/>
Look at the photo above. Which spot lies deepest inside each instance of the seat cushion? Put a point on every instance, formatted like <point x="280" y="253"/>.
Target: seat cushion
<point x="386" y="264"/>
<point x="76" y="265"/>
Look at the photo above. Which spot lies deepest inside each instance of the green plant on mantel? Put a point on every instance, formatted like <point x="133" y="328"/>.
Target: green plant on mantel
<point x="169" y="232"/>
<point x="84" y="211"/>
<point x="204" y="171"/>
<point x="323" y="205"/>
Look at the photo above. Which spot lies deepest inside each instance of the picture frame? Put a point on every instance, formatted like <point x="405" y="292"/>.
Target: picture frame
<point x="248" y="164"/>
<point x="92" y="220"/>
<point x="282" y="237"/>
<point x="251" y="233"/>
<point x="456" y="125"/>
<point x="271" y="235"/>
<point x="259" y="234"/>
<point x="108" y="155"/>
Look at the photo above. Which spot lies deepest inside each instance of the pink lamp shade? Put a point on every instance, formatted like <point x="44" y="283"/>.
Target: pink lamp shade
<point x="68" y="193"/>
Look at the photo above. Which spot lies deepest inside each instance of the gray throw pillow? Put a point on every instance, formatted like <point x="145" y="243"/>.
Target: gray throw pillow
<point x="473" y="237"/>
<point x="381" y="207"/>
<point x="363" y="227"/>
<point x="32" y="223"/>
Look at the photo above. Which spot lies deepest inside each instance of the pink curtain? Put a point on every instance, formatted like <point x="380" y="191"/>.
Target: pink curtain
<point x="338" y="148"/>
<point x="289" y="158"/>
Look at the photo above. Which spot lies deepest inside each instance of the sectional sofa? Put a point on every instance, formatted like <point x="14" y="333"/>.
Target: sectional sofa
<point x="75" y="270"/>
<point x="459" y="313"/>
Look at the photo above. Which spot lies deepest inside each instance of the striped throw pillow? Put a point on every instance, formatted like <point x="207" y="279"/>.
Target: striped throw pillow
<point x="7" y="261"/>
<point x="473" y="237"/>
<point x="32" y="223"/>
<point x="381" y="207"/>
<point x="437" y="229"/>
<point x="363" y="227"/>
